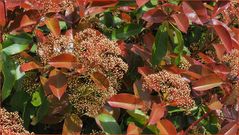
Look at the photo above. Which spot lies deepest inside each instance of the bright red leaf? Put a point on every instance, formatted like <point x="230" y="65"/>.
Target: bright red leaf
<point x="57" y="83"/>
<point x="125" y="101"/>
<point x="133" y="129"/>
<point x="26" y="21"/>
<point x="140" y="3"/>
<point x="145" y="70"/>
<point x="100" y="80"/>
<point x="154" y="16"/>
<point x="157" y="113"/>
<point x="68" y="61"/>
<point x="53" y="25"/>
<point x="29" y="66"/>
<point x="2" y="14"/>
<point x="207" y="82"/>
<point x="220" y="50"/>
<point x="166" y="127"/>
<point x="181" y="21"/>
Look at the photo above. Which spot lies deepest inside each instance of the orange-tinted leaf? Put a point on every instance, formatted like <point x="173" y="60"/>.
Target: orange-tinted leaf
<point x="68" y="61"/>
<point x="125" y="101"/>
<point x="145" y="71"/>
<point x="45" y="83"/>
<point x="57" y="83"/>
<point x="140" y="3"/>
<point x="100" y="80"/>
<point x="29" y="66"/>
<point x="224" y="35"/>
<point x="215" y="104"/>
<point x="26" y="21"/>
<point x="181" y="21"/>
<point x="154" y="16"/>
<point x="230" y="129"/>
<point x="205" y="58"/>
<point x="133" y="129"/>
<point x="2" y="14"/>
<point x="145" y="54"/>
<point x="53" y="25"/>
<point x="166" y="127"/>
<point x="40" y="36"/>
<point x="207" y="82"/>
<point x="72" y="125"/>
<point x="157" y="113"/>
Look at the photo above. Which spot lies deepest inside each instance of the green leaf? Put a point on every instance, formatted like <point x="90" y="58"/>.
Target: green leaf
<point x="159" y="48"/>
<point x="108" y="124"/>
<point x="126" y="31"/>
<point x="22" y="38"/>
<point x="42" y="110"/>
<point x="28" y="111"/>
<point x="14" y="49"/>
<point x="36" y="99"/>
<point x="9" y="70"/>
<point x="63" y="25"/>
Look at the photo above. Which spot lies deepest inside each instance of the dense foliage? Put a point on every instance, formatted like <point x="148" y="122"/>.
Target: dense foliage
<point x="119" y="66"/>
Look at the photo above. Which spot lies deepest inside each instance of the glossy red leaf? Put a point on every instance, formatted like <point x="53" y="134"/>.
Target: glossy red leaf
<point x="230" y="129"/>
<point x="205" y="58"/>
<point x="166" y="127"/>
<point x="140" y="3"/>
<point x="2" y="14"/>
<point x="125" y="17"/>
<point x="125" y="101"/>
<point x="149" y="40"/>
<point x="57" y="83"/>
<point x="154" y="16"/>
<point x="220" y="50"/>
<point x="181" y="21"/>
<point x="29" y="66"/>
<point x="133" y="129"/>
<point x="207" y="82"/>
<point x="195" y="11"/>
<point x="100" y="80"/>
<point x="40" y="35"/>
<point x="220" y="7"/>
<point x="223" y="34"/>
<point x="26" y="21"/>
<point x="53" y="25"/>
<point x="144" y="71"/>
<point x="156" y="114"/>
<point x="68" y="61"/>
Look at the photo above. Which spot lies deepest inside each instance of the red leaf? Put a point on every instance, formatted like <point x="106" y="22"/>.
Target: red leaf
<point x="224" y="35"/>
<point x="53" y="25"/>
<point x="215" y="104"/>
<point x="149" y="40"/>
<point x="125" y="101"/>
<point x="144" y="53"/>
<point x="205" y="58"/>
<point x="166" y="127"/>
<point x="230" y="129"/>
<point x="57" y="83"/>
<point x="207" y="82"/>
<point x="100" y="80"/>
<point x="156" y="114"/>
<point x="195" y="11"/>
<point x="145" y="70"/>
<point x="181" y="21"/>
<point x="40" y="36"/>
<point x="26" y="21"/>
<point x="63" y="61"/>
<point x="125" y="17"/>
<point x="133" y="129"/>
<point x="141" y="2"/>
<point x="29" y="66"/>
<point x="154" y="16"/>
<point x="220" y="50"/>
<point x="220" y="6"/>
<point x="2" y="14"/>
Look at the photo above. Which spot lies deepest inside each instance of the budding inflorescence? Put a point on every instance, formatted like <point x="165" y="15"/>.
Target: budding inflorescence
<point x="232" y="59"/>
<point x="11" y="123"/>
<point x="95" y="53"/>
<point x="174" y="88"/>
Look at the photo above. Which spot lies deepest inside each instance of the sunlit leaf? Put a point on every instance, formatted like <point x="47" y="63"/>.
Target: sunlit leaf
<point x="157" y="113"/>
<point x="53" y="25"/>
<point x="181" y="21"/>
<point x="141" y="2"/>
<point x="207" y="82"/>
<point x="29" y="66"/>
<point x="108" y="124"/>
<point x="215" y="104"/>
<point x="125" y="101"/>
<point x="68" y="61"/>
<point x="166" y="127"/>
<point x="133" y="129"/>
<point x="15" y="48"/>
<point x="2" y="14"/>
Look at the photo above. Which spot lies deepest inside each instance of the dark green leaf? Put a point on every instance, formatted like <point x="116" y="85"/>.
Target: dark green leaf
<point x="42" y="110"/>
<point x="159" y="48"/>
<point x="27" y="112"/>
<point x="14" y="49"/>
<point x="126" y="31"/>
<point x="19" y="99"/>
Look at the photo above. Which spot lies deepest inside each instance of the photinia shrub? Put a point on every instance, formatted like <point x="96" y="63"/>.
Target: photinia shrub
<point x="119" y="67"/>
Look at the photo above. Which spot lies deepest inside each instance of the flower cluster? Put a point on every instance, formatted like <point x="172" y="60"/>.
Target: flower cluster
<point x="11" y="123"/>
<point x="95" y="53"/>
<point x="48" y="6"/>
<point x="29" y="84"/>
<point x="232" y="59"/>
<point x="184" y="64"/>
<point x="175" y="89"/>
